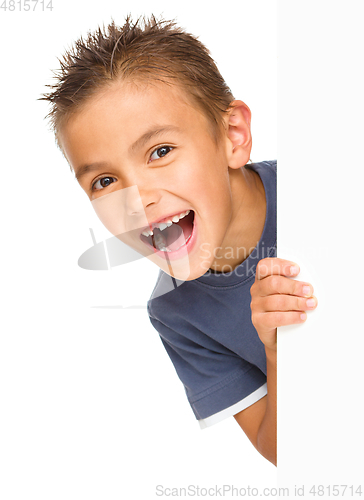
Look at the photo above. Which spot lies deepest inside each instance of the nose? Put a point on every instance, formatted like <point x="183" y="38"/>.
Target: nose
<point x="138" y="203"/>
<point x="132" y="200"/>
<point x="138" y="198"/>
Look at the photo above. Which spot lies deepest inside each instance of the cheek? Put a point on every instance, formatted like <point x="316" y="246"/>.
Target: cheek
<point x="184" y="178"/>
<point x="199" y="174"/>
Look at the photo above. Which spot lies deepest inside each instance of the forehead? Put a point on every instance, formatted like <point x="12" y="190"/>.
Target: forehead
<point x="124" y="112"/>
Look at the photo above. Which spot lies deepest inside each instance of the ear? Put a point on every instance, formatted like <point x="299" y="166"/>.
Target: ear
<point x="238" y="133"/>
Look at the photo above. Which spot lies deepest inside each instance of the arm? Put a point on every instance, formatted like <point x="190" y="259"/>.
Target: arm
<point x="277" y="300"/>
<point x="259" y="421"/>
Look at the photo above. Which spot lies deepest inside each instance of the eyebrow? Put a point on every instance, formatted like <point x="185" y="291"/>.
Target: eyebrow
<point x="139" y="143"/>
<point x="86" y="169"/>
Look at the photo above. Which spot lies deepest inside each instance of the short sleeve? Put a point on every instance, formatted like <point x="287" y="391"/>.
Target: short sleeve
<point x="215" y="379"/>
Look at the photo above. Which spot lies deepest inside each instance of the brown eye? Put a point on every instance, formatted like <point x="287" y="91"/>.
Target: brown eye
<point x="103" y="182"/>
<point x="160" y="152"/>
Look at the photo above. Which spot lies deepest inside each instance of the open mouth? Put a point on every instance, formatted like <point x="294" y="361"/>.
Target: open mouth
<point x="171" y="234"/>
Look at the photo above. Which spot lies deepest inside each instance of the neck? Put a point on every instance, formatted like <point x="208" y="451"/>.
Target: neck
<point x="247" y="221"/>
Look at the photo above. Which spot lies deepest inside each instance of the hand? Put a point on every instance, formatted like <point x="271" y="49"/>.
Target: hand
<point x="278" y="300"/>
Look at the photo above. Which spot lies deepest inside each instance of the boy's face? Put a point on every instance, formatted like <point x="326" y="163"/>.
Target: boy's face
<point x="145" y="156"/>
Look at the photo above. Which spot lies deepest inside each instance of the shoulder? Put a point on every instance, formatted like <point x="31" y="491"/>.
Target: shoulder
<point x="264" y="165"/>
<point x="272" y="164"/>
<point x="267" y="171"/>
<point x="162" y="299"/>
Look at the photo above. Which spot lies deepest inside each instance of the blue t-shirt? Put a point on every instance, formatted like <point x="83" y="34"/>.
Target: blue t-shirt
<point x="205" y="324"/>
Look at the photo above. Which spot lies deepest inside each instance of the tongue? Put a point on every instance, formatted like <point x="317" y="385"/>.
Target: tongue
<point x="175" y="236"/>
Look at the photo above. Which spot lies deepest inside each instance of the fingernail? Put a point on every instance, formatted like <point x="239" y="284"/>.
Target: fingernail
<point x="303" y="316"/>
<point x="311" y="302"/>
<point x="306" y="291"/>
<point x="294" y="270"/>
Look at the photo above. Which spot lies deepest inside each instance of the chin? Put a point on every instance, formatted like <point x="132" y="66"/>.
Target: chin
<point x="182" y="269"/>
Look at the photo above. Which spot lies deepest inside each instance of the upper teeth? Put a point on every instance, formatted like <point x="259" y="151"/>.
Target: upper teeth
<point x="166" y="223"/>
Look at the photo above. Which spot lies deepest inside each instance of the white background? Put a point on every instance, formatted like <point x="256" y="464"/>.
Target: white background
<point x="320" y="214"/>
<point x="91" y="407"/>
<point x="90" y="404"/>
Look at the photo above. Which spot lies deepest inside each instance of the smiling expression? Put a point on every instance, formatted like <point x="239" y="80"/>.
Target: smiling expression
<point x="154" y="152"/>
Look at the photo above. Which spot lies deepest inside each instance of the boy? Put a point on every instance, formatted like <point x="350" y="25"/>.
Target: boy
<point x="161" y="147"/>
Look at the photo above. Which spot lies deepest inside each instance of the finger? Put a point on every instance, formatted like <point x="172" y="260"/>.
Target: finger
<point x="284" y="303"/>
<point x="270" y="266"/>
<point x="270" y="320"/>
<point x="274" y="284"/>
